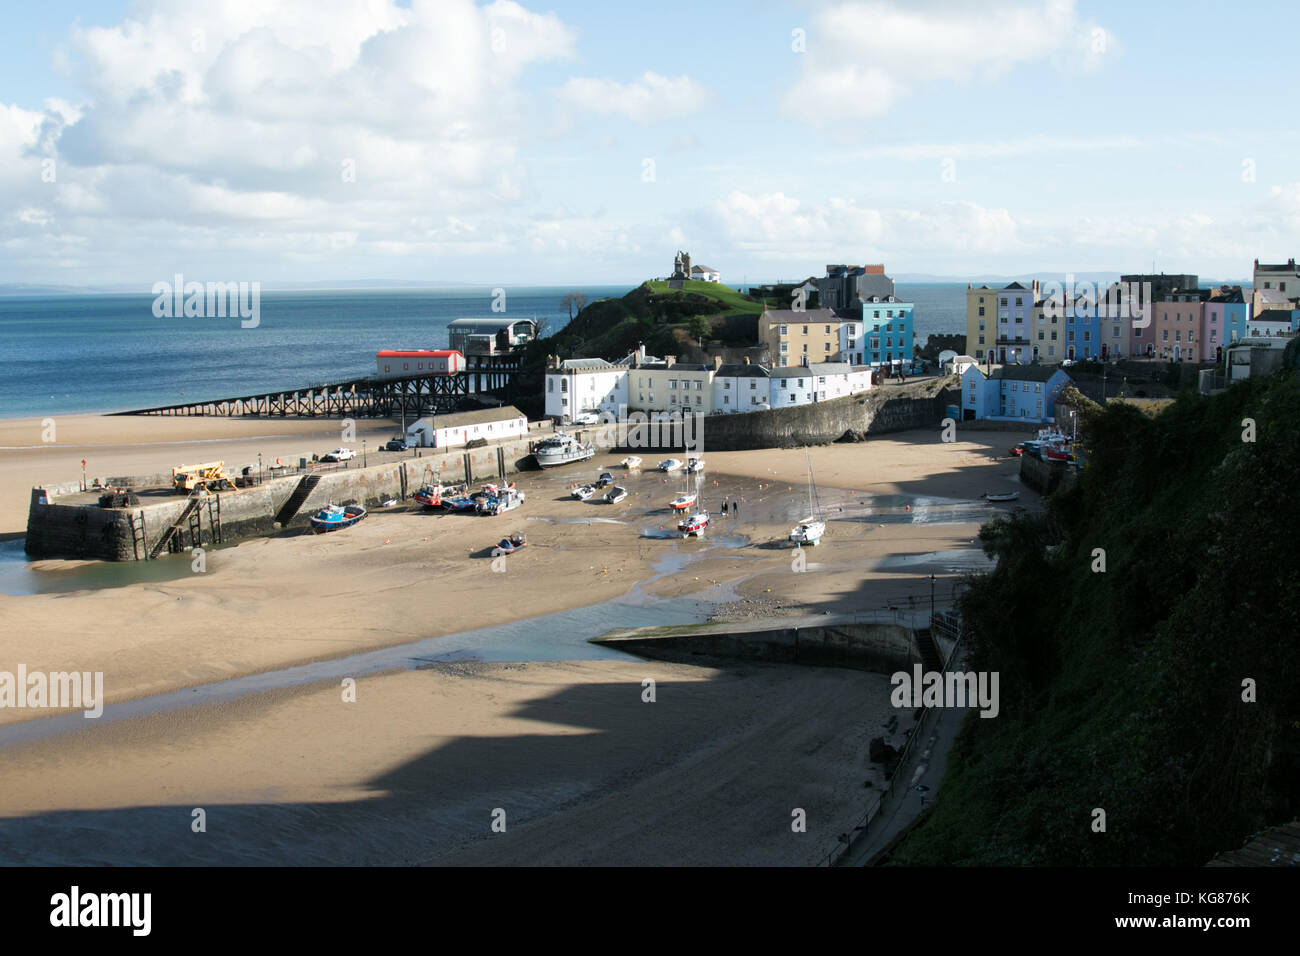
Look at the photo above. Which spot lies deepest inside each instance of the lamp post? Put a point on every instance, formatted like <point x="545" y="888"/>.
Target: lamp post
<point x="363" y="453"/>
<point x="259" y="467"/>
<point x="83" y="474"/>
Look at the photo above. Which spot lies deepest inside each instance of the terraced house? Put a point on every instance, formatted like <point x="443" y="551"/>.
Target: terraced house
<point x="1001" y="324"/>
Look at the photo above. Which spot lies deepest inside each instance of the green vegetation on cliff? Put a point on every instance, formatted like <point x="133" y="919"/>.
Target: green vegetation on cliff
<point x="661" y="318"/>
<point x="1122" y="690"/>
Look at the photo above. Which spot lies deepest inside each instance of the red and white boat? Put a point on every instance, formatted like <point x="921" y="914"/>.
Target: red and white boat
<point x="684" y="501"/>
<point x="693" y="524"/>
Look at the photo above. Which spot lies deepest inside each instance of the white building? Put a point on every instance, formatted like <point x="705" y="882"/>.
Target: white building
<point x="448" y="431"/>
<point x="741" y="387"/>
<point x="705" y="274"/>
<point x="574" y="386"/>
<point x="817" y="382"/>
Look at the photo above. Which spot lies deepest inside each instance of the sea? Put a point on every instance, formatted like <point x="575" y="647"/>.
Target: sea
<point x="64" y="354"/>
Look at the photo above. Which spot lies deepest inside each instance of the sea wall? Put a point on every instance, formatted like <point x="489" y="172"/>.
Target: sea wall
<point x="873" y="646"/>
<point x="80" y="529"/>
<point x="880" y="411"/>
<point x="1046" y="476"/>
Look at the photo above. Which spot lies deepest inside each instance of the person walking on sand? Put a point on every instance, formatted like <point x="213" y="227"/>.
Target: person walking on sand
<point x="724" y="507"/>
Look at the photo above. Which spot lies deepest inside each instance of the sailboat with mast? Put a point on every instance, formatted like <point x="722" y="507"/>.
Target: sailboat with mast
<point x="810" y="530"/>
<point x="698" y="520"/>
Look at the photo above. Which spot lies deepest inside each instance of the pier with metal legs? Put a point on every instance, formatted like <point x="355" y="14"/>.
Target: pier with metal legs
<point x="410" y="397"/>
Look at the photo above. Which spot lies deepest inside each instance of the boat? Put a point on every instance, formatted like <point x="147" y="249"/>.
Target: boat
<point x="507" y="499"/>
<point x="562" y="449"/>
<point x="510" y="545"/>
<point x="684" y="501"/>
<point x="809" y="531"/>
<point x="431" y="495"/>
<point x="670" y="464"/>
<point x="695" y="466"/>
<point x="694" y="524"/>
<point x="583" y="492"/>
<point x="615" y="495"/>
<point x="1002" y="496"/>
<point x="334" y="517"/>
<point x="605" y="479"/>
<point x="631" y="461"/>
<point x="460" y="502"/>
<point x="1055" y="453"/>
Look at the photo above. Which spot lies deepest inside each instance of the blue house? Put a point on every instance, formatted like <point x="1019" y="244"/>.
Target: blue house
<point x="1012" y="393"/>
<point x="887" y="323"/>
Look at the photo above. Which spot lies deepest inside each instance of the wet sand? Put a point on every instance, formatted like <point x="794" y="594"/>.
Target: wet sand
<point x="449" y="742"/>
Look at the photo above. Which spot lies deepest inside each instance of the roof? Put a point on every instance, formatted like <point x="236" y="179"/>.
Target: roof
<point x="1025" y="373"/>
<point x="1277" y="267"/>
<point x="1013" y="287"/>
<point x="1273" y="315"/>
<point x="477" y="417"/>
<point x="965" y="358"/>
<point x="702" y="269"/>
<point x="791" y="317"/>
<point x="742" y="370"/>
<point x="814" y="368"/>
<point x="493" y="324"/>
<point x="676" y="366"/>
<point x="585" y="365"/>
<point x="416" y="353"/>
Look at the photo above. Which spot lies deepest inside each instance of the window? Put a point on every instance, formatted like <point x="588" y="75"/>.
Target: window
<point x="1038" y="387"/>
<point x="726" y="386"/>
<point x="800" y="383"/>
<point x="852" y="343"/>
<point x="981" y="326"/>
<point x="1040" y="335"/>
<point x="828" y="346"/>
<point x="672" y="383"/>
<point x="387" y="368"/>
<point x="783" y="330"/>
<point x="1165" y="337"/>
<point x="1053" y="335"/>
<point x="805" y="348"/>
<point x="564" y="384"/>
<point x="981" y="340"/>
<point x="981" y="309"/>
<point x="875" y="343"/>
<point x="785" y="383"/>
<point x="828" y="330"/>
<point x="1019" y="301"/>
<point x="752" y="385"/>
<point x="1004" y="301"/>
<point x="785" y="347"/>
<point x="805" y="330"/>
<point x="564" y="401"/>
<point x="699" y="400"/>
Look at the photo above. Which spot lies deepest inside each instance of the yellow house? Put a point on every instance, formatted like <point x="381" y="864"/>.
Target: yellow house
<point x="981" y="320"/>
<point x="803" y="337"/>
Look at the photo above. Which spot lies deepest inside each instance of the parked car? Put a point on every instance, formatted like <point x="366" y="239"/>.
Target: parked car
<point x="587" y="418"/>
<point x="395" y="445"/>
<point x="339" y="454"/>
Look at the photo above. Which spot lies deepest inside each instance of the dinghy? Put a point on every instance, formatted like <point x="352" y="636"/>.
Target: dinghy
<point x="334" y="517"/>
<point x="1002" y="496"/>
<point x="509" y="545"/>
<point x="615" y="495"/>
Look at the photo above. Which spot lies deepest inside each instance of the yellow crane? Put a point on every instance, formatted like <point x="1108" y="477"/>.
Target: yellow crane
<point x="209" y="476"/>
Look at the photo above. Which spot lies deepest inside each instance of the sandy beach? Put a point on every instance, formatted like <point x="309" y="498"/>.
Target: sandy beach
<point x="550" y="728"/>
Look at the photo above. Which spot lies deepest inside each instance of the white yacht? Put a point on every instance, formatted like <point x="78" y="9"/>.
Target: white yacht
<point x="562" y="449"/>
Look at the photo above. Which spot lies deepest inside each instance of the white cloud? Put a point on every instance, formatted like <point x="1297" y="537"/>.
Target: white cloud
<point x="647" y="99"/>
<point x="863" y="57"/>
<point x="253" y="116"/>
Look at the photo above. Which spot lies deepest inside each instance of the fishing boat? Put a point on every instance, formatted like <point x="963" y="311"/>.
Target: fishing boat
<point x="670" y="464"/>
<point x="562" y="449"/>
<point x="507" y="499"/>
<point x="694" y="523"/>
<point x="334" y="517"/>
<point x="631" y="461"/>
<point x="583" y="492"/>
<point x="431" y="495"/>
<point x="1056" y="453"/>
<point x="510" y="545"/>
<point x="615" y="495"/>
<point x="695" y="466"/>
<point x="809" y="531"/>
<point x="1001" y="496"/>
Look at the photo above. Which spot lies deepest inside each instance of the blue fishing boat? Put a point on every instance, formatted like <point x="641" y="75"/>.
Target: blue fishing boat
<point x="334" y="517"/>
<point x="509" y="545"/>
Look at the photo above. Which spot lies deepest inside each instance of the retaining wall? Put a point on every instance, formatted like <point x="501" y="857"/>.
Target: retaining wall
<point x="881" y="647"/>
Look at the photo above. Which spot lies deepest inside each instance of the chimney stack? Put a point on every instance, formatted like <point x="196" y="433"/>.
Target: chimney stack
<point x="670" y="361"/>
<point x="717" y="362"/>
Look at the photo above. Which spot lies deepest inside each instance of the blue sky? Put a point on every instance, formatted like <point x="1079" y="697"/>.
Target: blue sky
<point x="514" y="142"/>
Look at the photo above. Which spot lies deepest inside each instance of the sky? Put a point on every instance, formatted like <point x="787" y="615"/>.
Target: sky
<point x="585" y="142"/>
